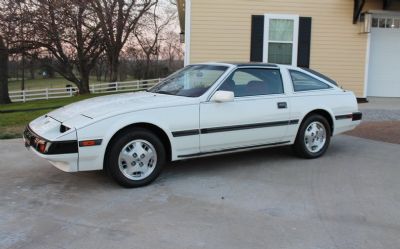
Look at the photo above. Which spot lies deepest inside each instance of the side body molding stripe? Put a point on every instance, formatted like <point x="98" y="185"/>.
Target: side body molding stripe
<point x="233" y="128"/>
<point x="345" y="116"/>
<point x="353" y="116"/>
<point x="185" y="133"/>
<point x="234" y="149"/>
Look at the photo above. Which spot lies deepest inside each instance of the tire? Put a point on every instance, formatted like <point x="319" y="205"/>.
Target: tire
<point x="135" y="158"/>
<point x="313" y="137"/>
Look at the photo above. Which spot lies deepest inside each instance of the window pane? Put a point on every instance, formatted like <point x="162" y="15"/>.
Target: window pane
<point x="192" y="81"/>
<point x="280" y="30"/>
<point x="382" y="22"/>
<point x="242" y="77"/>
<point x="375" y="22"/>
<point x="280" y="53"/>
<point x="320" y="75"/>
<point x="304" y="82"/>
<point x="389" y="23"/>
<point x="252" y="82"/>
<point x="397" y="23"/>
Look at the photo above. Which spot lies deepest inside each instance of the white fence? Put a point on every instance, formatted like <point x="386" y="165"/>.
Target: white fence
<point x="54" y="93"/>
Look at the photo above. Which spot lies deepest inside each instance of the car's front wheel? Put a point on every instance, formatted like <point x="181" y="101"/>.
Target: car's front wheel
<point x="313" y="137"/>
<point x="136" y="158"/>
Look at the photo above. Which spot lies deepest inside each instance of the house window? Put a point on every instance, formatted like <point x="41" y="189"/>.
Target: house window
<point x="281" y="38"/>
<point x="386" y="22"/>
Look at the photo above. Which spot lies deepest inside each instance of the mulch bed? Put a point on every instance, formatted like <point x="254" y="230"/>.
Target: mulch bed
<point x="385" y="131"/>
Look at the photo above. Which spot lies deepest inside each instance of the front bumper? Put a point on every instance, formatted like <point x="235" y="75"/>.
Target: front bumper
<point x="47" y="147"/>
<point x="62" y="154"/>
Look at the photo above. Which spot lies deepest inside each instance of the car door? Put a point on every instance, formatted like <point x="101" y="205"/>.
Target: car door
<point x="258" y="115"/>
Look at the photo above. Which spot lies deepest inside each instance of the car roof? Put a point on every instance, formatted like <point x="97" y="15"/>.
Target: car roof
<point x="250" y="64"/>
<point x="243" y="64"/>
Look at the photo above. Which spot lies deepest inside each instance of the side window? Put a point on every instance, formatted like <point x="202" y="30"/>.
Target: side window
<point x="253" y="81"/>
<point x="305" y="82"/>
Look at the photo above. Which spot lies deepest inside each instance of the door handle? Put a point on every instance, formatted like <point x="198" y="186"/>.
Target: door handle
<point x="282" y="105"/>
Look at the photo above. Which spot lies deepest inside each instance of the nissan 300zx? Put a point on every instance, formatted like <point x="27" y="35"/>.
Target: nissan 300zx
<point x="201" y="110"/>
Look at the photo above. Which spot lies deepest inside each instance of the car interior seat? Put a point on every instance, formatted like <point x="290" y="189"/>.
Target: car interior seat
<point x="256" y="87"/>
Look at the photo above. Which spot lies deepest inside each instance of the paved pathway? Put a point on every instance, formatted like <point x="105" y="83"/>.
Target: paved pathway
<point x="350" y="198"/>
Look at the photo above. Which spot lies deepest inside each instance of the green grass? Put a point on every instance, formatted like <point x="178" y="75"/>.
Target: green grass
<point x="39" y="83"/>
<point x="43" y="83"/>
<point x="50" y="104"/>
<point x="12" y="124"/>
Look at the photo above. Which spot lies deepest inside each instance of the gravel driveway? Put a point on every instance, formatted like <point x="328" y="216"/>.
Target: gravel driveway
<point x="381" y="109"/>
<point x="381" y="120"/>
<point x="380" y="115"/>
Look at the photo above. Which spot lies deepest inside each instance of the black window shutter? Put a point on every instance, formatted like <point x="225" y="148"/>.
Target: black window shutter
<point x="257" y="38"/>
<point x="304" y="42"/>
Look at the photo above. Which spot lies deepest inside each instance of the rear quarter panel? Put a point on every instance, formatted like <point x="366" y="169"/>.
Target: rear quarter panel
<point x="335" y="102"/>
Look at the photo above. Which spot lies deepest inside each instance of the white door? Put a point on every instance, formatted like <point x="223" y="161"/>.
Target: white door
<point x="384" y="61"/>
<point x="259" y="114"/>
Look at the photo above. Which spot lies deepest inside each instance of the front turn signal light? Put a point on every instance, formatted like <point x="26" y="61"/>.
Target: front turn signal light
<point x="87" y="143"/>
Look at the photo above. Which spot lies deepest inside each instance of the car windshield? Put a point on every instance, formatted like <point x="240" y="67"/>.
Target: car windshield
<point x="191" y="81"/>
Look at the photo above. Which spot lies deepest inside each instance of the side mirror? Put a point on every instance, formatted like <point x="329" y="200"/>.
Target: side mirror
<point x="223" y="96"/>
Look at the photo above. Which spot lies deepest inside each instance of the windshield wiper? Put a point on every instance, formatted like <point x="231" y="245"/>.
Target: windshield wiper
<point x="164" y="92"/>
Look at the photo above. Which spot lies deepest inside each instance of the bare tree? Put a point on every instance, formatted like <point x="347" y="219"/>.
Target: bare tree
<point x="10" y="32"/>
<point x="172" y="49"/>
<point x="136" y="57"/>
<point x="149" y="33"/>
<point x="69" y="31"/>
<point x="118" y="19"/>
<point x="32" y="64"/>
<point x="4" y="97"/>
<point x="69" y="36"/>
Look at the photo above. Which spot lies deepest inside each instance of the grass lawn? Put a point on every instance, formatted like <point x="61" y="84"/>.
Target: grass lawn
<point x="12" y="124"/>
<point x="39" y="83"/>
<point x="43" y="83"/>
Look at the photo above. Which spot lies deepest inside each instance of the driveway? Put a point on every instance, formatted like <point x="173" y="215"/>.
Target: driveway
<point x="350" y="198"/>
<point x="380" y="109"/>
<point x="381" y="120"/>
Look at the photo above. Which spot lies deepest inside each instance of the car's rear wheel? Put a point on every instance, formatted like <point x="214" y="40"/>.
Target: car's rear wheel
<point x="313" y="137"/>
<point x="136" y="158"/>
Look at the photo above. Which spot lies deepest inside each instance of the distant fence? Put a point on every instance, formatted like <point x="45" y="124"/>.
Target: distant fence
<point x="69" y="91"/>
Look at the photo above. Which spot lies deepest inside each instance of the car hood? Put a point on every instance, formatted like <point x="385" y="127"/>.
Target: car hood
<point x="114" y="104"/>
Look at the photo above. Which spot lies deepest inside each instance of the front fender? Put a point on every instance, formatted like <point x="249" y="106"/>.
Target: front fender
<point x="92" y="157"/>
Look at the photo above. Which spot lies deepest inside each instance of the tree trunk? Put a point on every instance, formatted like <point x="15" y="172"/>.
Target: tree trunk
<point x="32" y="72"/>
<point x="147" y="68"/>
<point x="99" y="72"/>
<point x="83" y="85"/>
<point x="4" y="95"/>
<point x="32" y="68"/>
<point x="106" y="70"/>
<point x="114" y="64"/>
<point x="23" y="72"/>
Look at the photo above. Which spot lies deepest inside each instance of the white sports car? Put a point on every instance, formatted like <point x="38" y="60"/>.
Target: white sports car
<point x="203" y="109"/>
